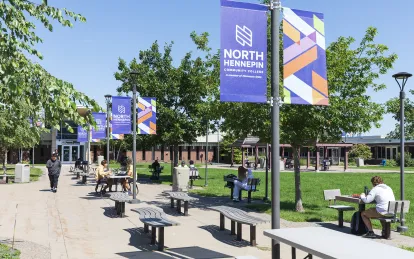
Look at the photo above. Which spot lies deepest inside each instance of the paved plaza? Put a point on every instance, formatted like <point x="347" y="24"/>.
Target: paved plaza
<point x="74" y="223"/>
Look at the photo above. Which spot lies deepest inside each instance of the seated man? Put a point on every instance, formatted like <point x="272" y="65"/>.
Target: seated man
<point x="382" y="194"/>
<point x="244" y="175"/>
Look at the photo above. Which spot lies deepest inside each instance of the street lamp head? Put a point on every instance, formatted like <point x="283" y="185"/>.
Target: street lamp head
<point x="403" y="77"/>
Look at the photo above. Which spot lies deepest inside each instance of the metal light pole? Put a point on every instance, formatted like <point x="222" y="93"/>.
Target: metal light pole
<point x="134" y="137"/>
<point x="108" y="98"/>
<point x="218" y="143"/>
<point x="403" y="77"/>
<point x="206" y="156"/>
<point x="275" y="26"/>
<point x="266" y="198"/>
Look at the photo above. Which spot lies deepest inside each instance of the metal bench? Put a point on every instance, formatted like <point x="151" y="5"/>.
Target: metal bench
<point x="330" y="195"/>
<point x="120" y="199"/>
<point x="241" y="217"/>
<point x="156" y="218"/>
<point x="252" y="187"/>
<point x="394" y="208"/>
<point x="181" y="196"/>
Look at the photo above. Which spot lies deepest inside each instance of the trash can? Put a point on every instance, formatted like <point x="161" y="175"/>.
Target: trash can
<point x="22" y="173"/>
<point x="181" y="177"/>
<point x="359" y="162"/>
<point x="282" y="164"/>
<point x="100" y="159"/>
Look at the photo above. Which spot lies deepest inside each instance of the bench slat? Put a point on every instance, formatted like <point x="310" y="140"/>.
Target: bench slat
<point x="181" y="196"/>
<point x="239" y="216"/>
<point x="154" y="217"/>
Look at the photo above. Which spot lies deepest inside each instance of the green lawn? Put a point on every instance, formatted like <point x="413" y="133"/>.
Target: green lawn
<point x="411" y="249"/>
<point x="35" y="173"/>
<point x="7" y="253"/>
<point x="378" y="167"/>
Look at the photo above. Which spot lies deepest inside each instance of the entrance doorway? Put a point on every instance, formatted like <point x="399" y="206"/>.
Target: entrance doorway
<point x="70" y="153"/>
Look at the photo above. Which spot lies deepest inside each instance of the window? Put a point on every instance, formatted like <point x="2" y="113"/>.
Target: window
<point x="143" y="154"/>
<point x="42" y="152"/>
<point x="162" y="153"/>
<point x="180" y="153"/>
<point x="197" y="153"/>
<point x="189" y="153"/>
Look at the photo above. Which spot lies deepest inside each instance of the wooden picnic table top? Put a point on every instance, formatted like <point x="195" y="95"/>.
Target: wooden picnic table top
<point x="330" y="244"/>
<point x="118" y="176"/>
<point x="349" y="198"/>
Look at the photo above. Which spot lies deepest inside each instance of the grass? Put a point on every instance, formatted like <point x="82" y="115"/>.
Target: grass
<point x="389" y="168"/>
<point x="7" y="253"/>
<point x="408" y="248"/>
<point x="35" y="173"/>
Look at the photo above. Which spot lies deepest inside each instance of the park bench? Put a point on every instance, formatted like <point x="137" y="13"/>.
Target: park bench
<point x="181" y="196"/>
<point x="252" y="186"/>
<point x="155" y="218"/>
<point x="394" y="208"/>
<point x="120" y="199"/>
<point x="326" y="243"/>
<point x="241" y="217"/>
<point x="330" y="195"/>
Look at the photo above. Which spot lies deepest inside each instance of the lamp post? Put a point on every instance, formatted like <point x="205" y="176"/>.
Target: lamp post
<point x="206" y="156"/>
<point x="401" y="79"/>
<point x="134" y="138"/>
<point x="108" y="99"/>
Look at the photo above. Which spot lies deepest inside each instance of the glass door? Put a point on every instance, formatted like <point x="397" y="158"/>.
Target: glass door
<point x="66" y="154"/>
<point x="75" y="153"/>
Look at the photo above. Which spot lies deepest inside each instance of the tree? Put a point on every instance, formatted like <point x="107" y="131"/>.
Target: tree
<point x="361" y="151"/>
<point x="351" y="72"/>
<point x="184" y="93"/>
<point x="25" y="87"/>
<point x="393" y="107"/>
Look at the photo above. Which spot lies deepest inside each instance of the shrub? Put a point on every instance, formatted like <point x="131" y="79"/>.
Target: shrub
<point x="391" y="162"/>
<point x="360" y="151"/>
<point x="408" y="161"/>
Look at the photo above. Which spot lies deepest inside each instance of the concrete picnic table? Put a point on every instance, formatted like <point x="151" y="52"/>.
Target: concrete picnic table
<point x="330" y="244"/>
<point x="116" y="177"/>
<point x="349" y="198"/>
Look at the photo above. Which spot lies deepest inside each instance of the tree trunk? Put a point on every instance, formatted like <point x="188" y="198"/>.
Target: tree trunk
<point x="175" y="155"/>
<point x="298" y="191"/>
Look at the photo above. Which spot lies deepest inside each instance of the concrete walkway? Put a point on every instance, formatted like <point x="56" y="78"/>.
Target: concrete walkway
<point x="74" y="223"/>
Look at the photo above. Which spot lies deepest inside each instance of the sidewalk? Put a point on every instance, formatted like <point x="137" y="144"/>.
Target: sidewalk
<point x="75" y="224"/>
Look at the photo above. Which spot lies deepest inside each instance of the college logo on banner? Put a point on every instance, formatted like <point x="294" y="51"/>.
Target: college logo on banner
<point x="243" y="57"/>
<point x="304" y="58"/>
<point x="147" y="116"/>
<point x="82" y="134"/>
<point x="121" y="115"/>
<point x="100" y="131"/>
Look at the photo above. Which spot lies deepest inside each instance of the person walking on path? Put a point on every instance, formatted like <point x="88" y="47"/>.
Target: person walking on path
<point x="53" y="166"/>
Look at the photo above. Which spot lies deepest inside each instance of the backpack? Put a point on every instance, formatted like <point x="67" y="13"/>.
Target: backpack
<point x="357" y="224"/>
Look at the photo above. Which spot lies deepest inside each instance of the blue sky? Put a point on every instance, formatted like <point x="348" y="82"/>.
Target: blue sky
<point x="87" y="55"/>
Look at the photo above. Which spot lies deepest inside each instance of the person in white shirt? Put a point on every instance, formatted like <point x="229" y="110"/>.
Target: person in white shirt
<point x="382" y="194"/>
<point x="244" y="175"/>
<point x="183" y="164"/>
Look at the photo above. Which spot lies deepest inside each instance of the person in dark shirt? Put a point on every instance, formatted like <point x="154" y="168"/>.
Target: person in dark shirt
<point x="155" y="165"/>
<point x="53" y="166"/>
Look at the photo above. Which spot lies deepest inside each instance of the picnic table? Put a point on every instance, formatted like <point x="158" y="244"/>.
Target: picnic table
<point x="116" y="179"/>
<point x="349" y="198"/>
<point x="326" y="243"/>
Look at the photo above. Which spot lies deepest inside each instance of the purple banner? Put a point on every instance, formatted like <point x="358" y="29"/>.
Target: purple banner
<point x="121" y="115"/>
<point x="100" y="131"/>
<point x="82" y="134"/>
<point x="243" y="57"/>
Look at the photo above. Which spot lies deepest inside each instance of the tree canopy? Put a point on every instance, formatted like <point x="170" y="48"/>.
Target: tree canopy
<point x="393" y="107"/>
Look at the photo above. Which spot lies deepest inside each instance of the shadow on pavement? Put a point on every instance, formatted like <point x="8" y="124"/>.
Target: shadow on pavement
<point x="193" y="252"/>
<point x="110" y="212"/>
<point x="224" y="236"/>
<point x="44" y="190"/>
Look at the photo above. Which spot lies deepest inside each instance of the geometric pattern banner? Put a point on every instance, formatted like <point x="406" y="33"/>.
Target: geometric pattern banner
<point x="304" y="58"/>
<point x="147" y="116"/>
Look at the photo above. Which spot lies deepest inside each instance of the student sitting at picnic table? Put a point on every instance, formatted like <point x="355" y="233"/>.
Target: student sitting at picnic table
<point x="101" y="173"/>
<point x="129" y="169"/>
<point x="244" y="175"/>
<point x="382" y="194"/>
